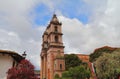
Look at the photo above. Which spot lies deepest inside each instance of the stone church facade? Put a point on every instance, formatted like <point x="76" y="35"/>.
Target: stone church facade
<point x="52" y="53"/>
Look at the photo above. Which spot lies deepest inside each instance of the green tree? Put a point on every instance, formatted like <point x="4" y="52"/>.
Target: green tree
<point x="57" y="76"/>
<point x="66" y="75"/>
<point x="71" y="60"/>
<point x="99" y="51"/>
<point x="108" y="65"/>
<point x="78" y="72"/>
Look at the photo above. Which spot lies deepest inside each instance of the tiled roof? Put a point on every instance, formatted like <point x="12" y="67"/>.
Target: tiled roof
<point x="13" y="54"/>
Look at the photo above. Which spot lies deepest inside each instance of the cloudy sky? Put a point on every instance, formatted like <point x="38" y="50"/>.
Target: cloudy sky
<point x="87" y="24"/>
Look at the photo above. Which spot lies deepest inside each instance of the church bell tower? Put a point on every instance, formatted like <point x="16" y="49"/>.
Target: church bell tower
<point x="52" y="53"/>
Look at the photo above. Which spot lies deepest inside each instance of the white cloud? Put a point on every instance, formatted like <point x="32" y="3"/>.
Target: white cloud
<point x="16" y="29"/>
<point x="7" y="40"/>
<point x="17" y="32"/>
<point x="102" y="30"/>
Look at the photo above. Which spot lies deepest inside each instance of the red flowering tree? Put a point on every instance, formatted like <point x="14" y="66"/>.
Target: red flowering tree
<point x="24" y="70"/>
<point x="12" y="73"/>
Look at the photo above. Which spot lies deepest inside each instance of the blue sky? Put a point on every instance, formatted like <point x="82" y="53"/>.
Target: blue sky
<point x="42" y="14"/>
<point x="70" y="9"/>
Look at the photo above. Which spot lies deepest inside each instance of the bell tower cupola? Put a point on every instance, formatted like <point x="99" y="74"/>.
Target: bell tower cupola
<point x="54" y="19"/>
<point x="52" y="54"/>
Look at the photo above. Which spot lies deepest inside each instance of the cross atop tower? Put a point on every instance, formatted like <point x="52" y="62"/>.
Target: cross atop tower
<point x="55" y="20"/>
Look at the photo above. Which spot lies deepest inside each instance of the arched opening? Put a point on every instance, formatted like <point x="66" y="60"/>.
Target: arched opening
<point x="56" y="29"/>
<point x="56" y="38"/>
<point x="60" y="66"/>
<point x="55" y="66"/>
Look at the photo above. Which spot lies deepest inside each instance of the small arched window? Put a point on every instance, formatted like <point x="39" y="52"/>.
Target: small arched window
<point x="56" y="29"/>
<point x="56" y="38"/>
<point x="55" y="66"/>
<point x="60" y="66"/>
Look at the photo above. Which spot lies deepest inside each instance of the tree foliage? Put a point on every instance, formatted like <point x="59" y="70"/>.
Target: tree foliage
<point x="78" y="72"/>
<point x="75" y="68"/>
<point x="57" y="76"/>
<point x="98" y="52"/>
<point x="108" y="65"/>
<point x="71" y="60"/>
<point x="24" y="70"/>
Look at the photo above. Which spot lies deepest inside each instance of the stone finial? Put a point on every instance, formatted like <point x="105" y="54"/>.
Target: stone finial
<point x="54" y="19"/>
<point x="24" y="54"/>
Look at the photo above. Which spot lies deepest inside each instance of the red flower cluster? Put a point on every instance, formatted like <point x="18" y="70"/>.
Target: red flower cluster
<point x="24" y="70"/>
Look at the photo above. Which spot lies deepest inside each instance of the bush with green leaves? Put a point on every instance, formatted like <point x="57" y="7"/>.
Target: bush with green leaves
<point x="108" y="65"/>
<point x="79" y="72"/>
